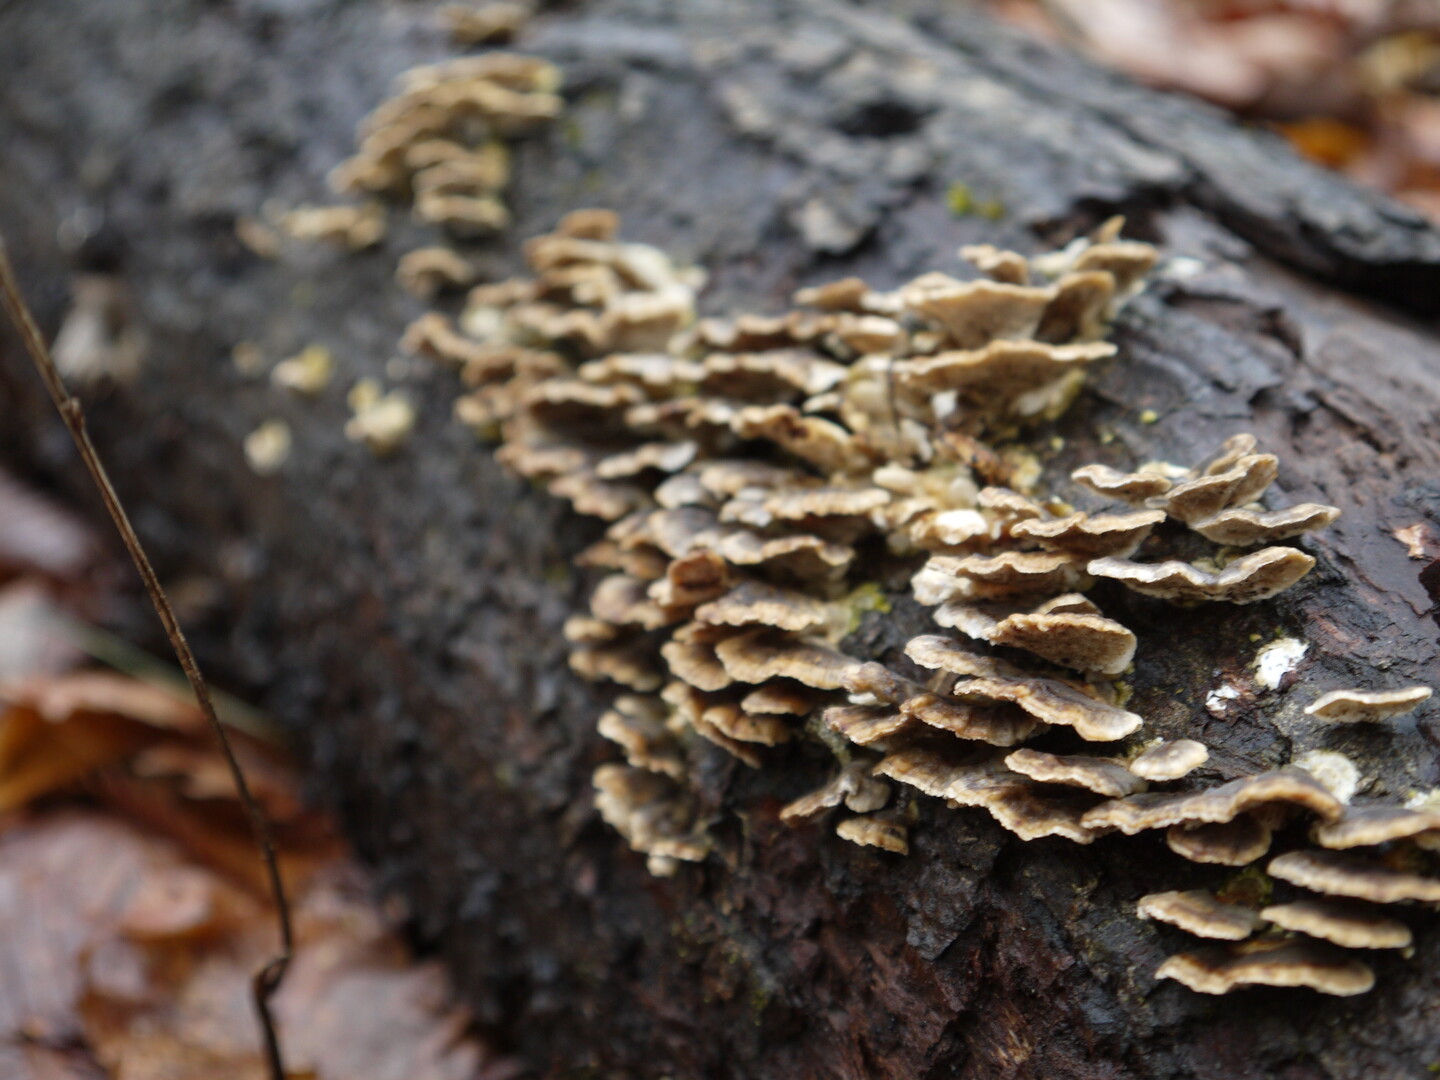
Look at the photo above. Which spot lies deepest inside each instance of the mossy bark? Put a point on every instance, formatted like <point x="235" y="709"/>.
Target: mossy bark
<point x="402" y="616"/>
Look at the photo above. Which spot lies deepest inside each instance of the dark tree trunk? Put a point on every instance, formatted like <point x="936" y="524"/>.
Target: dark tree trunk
<point x="403" y="616"/>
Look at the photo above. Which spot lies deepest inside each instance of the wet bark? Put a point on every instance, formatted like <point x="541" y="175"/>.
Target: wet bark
<point x="402" y="617"/>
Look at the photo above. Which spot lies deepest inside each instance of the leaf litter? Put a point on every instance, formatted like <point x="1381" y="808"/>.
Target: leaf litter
<point x="132" y="905"/>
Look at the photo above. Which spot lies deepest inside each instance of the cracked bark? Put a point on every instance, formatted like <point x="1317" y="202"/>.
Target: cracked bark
<point x="403" y="616"/>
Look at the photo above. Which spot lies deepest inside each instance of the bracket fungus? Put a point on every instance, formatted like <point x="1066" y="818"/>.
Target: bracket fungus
<point x="1351" y="924"/>
<point x="1198" y="912"/>
<point x="1170" y="760"/>
<point x="1100" y="775"/>
<point x="1287" y="787"/>
<point x="876" y="830"/>
<point x="1367" y="826"/>
<point x="1360" y="706"/>
<point x="1237" y="842"/>
<point x="758" y="474"/>
<point x="1248" y="579"/>
<point x="1336" y="874"/>
<point x="1315" y="965"/>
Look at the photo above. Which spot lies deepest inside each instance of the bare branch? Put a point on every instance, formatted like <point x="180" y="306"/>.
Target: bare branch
<point x="268" y="977"/>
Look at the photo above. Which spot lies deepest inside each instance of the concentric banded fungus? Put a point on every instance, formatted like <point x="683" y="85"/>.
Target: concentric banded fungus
<point x="355" y="227"/>
<point x="1347" y="923"/>
<point x="779" y="700"/>
<point x="1370" y="825"/>
<point x="1198" y="912"/>
<point x="998" y="725"/>
<point x="963" y="778"/>
<point x="761" y="655"/>
<point x="753" y="603"/>
<point x="852" y="785"/>
<point x="695" y="663"/>
<point x="735" y="723"/>
<point x="1229" y="843"/>
<point x="638" y="726"/>
<point x="876" y="830"/>
<point x="1241" y="528"/>
<point x="1047" y="700"/>
<point x="1128" y="487"/>
<point x="649" y="811"/>
<point x="1359" y="706"/>
<point x="1092" y="536"/>
<point x="628" y="663"/>
<point x="1206" y="495"/>
<point x="980" y="577"/>
<point x="1346" y="875"/>
<point x="1059" y="703"/>
<point x="1100" y="775"/>
<point x="995" y="263"/>
<point x="1302" y="963"/>
<point x="1082" y="642"/>
<point x="746" y="465"/>
<point x="1246" y="580"/>
<point x="1288" y="786"/>
<point x="1032" y="815"/>
<point x="869" y="725"/>
<point x="426" y="271"/>
<point x="1001" y="373"/>
<point x="974" y="313"/>
<point x="1170" y="760"/>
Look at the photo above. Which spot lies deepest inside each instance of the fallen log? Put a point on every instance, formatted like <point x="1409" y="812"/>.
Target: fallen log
<point x="403" y="616"/>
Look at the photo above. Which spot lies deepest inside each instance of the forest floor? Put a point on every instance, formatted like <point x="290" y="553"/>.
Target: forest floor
<point x="133" y="906"/>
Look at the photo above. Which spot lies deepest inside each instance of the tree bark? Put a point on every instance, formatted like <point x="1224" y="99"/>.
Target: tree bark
<point x="403" y="616"/>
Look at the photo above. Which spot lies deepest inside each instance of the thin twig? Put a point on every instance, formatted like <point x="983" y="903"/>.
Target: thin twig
<point x="268" y="976"/>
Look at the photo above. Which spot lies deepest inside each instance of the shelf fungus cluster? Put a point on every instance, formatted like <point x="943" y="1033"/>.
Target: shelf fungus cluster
<point x="440" y="145"/>
<point x="749" y="467"/>
<point x="1342" y="911"/>
<point x="753" y="472"/>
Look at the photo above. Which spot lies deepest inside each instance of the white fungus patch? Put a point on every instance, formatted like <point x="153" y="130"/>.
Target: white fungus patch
<point x="1219" y="699"/>
<point x="1277" y="660"/>
<point x="1336" y="771"/>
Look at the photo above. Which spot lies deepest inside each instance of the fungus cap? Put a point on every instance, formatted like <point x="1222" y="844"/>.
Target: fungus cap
<point x="1237" y="842"/>
<point x="1241" y="528"/>
<point x="1253" y="577"/>
<point x="1092" y="535"/>
<point x="1082" y="642"/>
<point x="875" y="830"/>
<point x="637" y="725"/>
<point x="869" y="725"/>
<point x="1099" y="775"/>
<point x="1207" y="495"/>
<point x="1032" y="814"/>
<point x="998" y="725"/>
<point x="695" y="663"/>
<point x="1350" y="924"/>
<point x="1290" y="786"/>
<point x="853" y="785"/>
<point x="1339" y="874"/>
<point x="735" y="723"/>
<point x="1299" y="963"/>
<point x="1058" y="703"/>
<point x="1170" y="760"/>
<point x="1133" y="487"/>
<point x="1361" y="706"/>
<point x="1200" y="913"/>
<point x="760" y="655"/>
<point x="754" y="603"/>
<point x="973" y="313"/>
<point x="1366" y="826"/>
